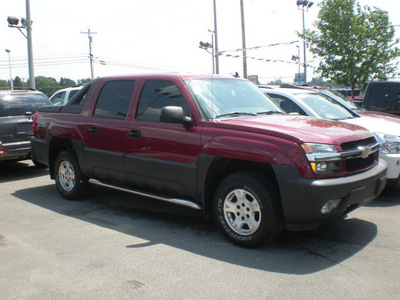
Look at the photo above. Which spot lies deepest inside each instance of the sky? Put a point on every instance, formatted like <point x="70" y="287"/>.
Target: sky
<point x="142" y="36"/>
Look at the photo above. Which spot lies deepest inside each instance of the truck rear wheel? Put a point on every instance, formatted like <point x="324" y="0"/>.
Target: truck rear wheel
<point x="69" y="178"/>
<point x="247" y="209"/>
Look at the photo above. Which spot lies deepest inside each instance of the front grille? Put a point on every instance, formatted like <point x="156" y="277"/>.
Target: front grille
<point x="357" y="162"/>
<point x="355" y="144"/>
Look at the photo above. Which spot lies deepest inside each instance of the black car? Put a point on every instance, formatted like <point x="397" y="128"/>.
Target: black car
<point x="16" y="110"/>
<point x="383" y="96"/>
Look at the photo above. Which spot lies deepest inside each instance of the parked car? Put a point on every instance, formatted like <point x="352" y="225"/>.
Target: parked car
<point x="311" y="103"/>
<point x="16" y="110"/>
<point x="61" y="97"/>
<point x="211" y="143"/>
<point x="382" y="96"/>
<point x="347" y="94"/>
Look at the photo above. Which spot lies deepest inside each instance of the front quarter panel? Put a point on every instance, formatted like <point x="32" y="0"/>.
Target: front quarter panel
<point x="255" y="147"/>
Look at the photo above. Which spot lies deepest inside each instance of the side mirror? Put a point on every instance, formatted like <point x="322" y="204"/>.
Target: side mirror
<point x="175" y="114"/>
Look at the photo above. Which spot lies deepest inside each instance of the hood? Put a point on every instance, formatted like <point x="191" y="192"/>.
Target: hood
<point x="378" y="122"/>
<point x="299" y="129"/>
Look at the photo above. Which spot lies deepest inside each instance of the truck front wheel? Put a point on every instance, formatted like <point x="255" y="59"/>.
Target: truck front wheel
<point x="247" y="209"/>
<point x="69" y="179"/>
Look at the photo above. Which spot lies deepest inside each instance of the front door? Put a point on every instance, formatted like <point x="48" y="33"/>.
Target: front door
<point x="162" y="157"/>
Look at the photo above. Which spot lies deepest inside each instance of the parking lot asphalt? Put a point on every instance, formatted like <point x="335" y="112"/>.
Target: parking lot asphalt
<point x="113" y="245"/>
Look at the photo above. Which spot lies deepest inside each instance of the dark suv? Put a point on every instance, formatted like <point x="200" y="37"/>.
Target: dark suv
<point x="16" y="110"/>
<point x="383" y="96"/>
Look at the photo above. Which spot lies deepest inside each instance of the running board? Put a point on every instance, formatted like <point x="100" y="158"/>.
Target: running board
<point x="182" y="202"/>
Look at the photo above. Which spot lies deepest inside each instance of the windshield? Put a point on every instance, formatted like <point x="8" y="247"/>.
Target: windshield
<point x="325" y="107"/>
<point x="340" y="98"/>
<point x="228" y="98"/>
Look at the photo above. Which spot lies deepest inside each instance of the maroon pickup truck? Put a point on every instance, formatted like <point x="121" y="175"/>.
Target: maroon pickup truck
<point x="210" y="143"/>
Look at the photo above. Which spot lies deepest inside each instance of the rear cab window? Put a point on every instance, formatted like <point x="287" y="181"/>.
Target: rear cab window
<point x="114" y="99"/>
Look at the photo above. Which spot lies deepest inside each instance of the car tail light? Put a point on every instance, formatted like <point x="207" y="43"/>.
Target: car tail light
<point x="34" y="118"/>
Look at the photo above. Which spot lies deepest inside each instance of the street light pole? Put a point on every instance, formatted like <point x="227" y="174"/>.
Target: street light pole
<point x="298" y="63"/>
<point x="212" y="49"/>
<point x="207" y="46"/>
<point x="32" y="84"/>
<point x="243" y="41"/>
<point x="27" y="25"/>
<point x="304" y="4"/>
<point x="304" y="52"/>
<point x="9" y="65"/>
<point x="215" y="41"/>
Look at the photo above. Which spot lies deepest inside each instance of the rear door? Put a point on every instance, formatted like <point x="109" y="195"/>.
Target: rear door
<point x="106" y="131"/>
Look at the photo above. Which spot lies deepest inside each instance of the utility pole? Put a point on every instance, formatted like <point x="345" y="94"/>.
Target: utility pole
<point x="304" y="5"/>
<point x="89" y="33"/>
<point x="243" y="42"/>
<point x="216" y="54"/>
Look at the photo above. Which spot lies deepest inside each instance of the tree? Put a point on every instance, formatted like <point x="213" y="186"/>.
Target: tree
<point x="276" y="82"/>
<point x="84" y="81"/>
<point x="47" y="85"/>
<point x="356" y="44"/>
<point x="18" y="83"/>
<point x="66" y="82"/>
<point x="4" y="84"/>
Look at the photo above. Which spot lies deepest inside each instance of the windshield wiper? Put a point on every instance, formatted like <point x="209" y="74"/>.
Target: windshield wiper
<point x="271" y="112"/>
<point x="236" y="113"/>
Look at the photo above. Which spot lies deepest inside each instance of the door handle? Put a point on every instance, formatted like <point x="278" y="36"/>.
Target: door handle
<point x="134" y="134"/>
<point x="93" y="129"/>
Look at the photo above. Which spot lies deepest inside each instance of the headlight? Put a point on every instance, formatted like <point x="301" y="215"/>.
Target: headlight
<point x="318" y="148"/>
<point x="323" y="158"/>
<point x="389" y="143"/>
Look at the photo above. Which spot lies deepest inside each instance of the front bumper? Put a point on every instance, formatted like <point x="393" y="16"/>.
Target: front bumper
<point x="393" y="162"/>
<point x="302" y="198"/>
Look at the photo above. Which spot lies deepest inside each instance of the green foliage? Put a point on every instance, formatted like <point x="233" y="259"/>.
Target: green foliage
<point x="18" y="84"/>
<point x="46" y="85"/>
<point x="66" y="82"/>
<point x="276" y="82"/>
<point x="356" y="44"/>
<point x="4" y="84"/>
<point x="84" y="81"/>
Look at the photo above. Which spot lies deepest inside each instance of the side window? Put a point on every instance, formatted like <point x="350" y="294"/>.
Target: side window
<point x="157" y="94"/>
<point x="72" y="93"/>
<point x="76" y="104"/>
<point x="377" y="95"/>
<point x="114" y="99"/>
<point x="58" y="98"/>
<point x="286" y="104"/>
<point x="394" y="93"/>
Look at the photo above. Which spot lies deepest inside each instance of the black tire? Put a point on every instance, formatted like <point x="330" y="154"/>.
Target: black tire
<point x="248" y="210"/>
<point x="70" y="181"/>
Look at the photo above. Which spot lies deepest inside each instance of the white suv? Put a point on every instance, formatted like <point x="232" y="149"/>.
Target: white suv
<point x="61" y="97"/>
